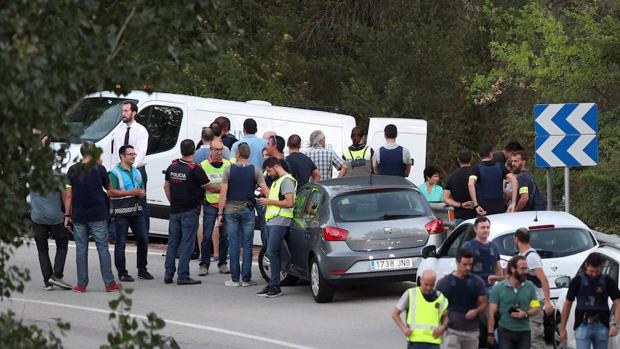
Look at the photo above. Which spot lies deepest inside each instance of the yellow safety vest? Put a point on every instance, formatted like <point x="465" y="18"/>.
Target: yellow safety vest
<point x="215" y="176"/>
<point x="274" y="194"/>
<point x="427" y="316"/>
<point x="362" y="154"/>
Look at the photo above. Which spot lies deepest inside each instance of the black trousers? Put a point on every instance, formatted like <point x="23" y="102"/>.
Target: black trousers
<point x="145" y="206"/>
<point x="42" y="232"/>
<point x="514" y="339"/>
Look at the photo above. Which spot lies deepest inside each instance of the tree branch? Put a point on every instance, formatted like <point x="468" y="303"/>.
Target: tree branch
<point x="119" y="37"/>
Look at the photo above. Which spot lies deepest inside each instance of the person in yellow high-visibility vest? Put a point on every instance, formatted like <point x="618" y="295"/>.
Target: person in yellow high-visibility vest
<point x="426" y="314"/>
<point x="278" y="215"/>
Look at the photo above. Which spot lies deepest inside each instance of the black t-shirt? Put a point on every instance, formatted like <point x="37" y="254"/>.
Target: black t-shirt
<point x="457" y="185"/>
<point x="573" y="290"/>
<point x="301" y="167"/>
<point x="229" y="140"/>
<point x="89" y="202"/>
<point x="496" y="205"/>
<point x="186" y="181"/>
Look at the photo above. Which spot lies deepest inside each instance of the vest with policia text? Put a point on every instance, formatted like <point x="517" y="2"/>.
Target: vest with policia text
<point x="358" y="161"/>
<point x="427" y="316"/>
<point x="215" y="176"/>
<point x="274" y="194"/>
<point x="592" y="295"/>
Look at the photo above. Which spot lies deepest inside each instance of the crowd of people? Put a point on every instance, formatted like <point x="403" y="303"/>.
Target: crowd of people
<point x="226" y="181"/>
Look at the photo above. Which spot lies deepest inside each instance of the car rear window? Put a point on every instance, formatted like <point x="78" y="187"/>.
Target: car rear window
<point x="550" y="243"/>
<point x="379" y="205"/>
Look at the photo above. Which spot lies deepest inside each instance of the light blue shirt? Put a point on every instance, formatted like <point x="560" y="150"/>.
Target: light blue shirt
<point x="256" y="149"/>
<point x="435" y="196"/>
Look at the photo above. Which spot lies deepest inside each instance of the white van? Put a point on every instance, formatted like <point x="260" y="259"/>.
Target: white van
<point x="171" y="118"/>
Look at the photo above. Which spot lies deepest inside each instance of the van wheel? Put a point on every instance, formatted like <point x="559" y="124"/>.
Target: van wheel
<point x="322" y="291"/>
<point x="264" y="265"/>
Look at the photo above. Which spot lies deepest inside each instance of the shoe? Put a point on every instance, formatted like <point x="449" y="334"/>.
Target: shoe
<point x="59" y="282"/>
<point x="224" y="269"/>
<point x="188" y="281"/>
<point x="113" y="287"/>
<point x="274" y="292"/>
<point x="167" y="280"/>
<point x="48" y="287"/>
<point x="203" y="270"/>
<point x="145" y="275"/>
<point x="126" y="278"/>
<point x="264" y="291"/>
<point x="79" y="289"/>
<point x="231" y="283"/>
<point x="248" y="283"/>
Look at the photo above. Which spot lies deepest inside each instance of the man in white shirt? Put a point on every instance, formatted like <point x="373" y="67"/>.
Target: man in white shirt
<point x="136" y="135"/>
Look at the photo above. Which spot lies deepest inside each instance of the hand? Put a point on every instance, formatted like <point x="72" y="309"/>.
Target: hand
<point x="140" y="193"/>
<point x="480" y="211"/>
<point x="407" y="332"/>
<point x="438" y="331"/>
<point x="490" y="340"/>
<point x="467" y="204"/>
<point x="491" y="279"/>
<point x="613" y="331"/>
<point x="68" y="222"/>
<point x="518" y="314"/>
<point x="472" y="314"/>
<point x="548" y="308"/>
<point x="511" y="208"/>
<point x="220" y="220"/>
<point x="563" y="337"/>
<point x="263" y="201"/>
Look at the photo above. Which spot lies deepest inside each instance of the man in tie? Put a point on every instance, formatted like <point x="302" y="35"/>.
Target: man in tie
<point x="136" y="135"/>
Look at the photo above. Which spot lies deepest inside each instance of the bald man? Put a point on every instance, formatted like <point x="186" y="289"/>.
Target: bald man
<point x="425" y="310"/>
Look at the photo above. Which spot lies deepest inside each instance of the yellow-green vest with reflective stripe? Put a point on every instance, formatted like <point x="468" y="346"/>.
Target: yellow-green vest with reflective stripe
<point x="215" y="176"/>
<point x="427" y="316"/>
<point x="359" y="162"/>
<point x="274" y="194"/>
<point x="362" y="154"/>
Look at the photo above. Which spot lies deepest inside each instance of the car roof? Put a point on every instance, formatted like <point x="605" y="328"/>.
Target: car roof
<point x="609" y="250"/>
<point x="347" y="184"/>
<point x="505" y="223"/>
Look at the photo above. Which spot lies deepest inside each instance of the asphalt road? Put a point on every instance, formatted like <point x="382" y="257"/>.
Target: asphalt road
<point x="211" y="315"/>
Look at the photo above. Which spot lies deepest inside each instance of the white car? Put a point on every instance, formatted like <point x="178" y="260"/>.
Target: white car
<point x="611" y="267"/>
<point x="562" y="241"/>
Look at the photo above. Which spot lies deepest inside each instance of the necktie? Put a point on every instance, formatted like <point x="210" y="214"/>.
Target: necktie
<point x="127" y="137"/>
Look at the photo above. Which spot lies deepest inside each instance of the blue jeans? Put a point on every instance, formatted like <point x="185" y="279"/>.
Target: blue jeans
<point x="145" y="207"/>
<point x="420" y="345"/>
<point x="206" y="246"/>
<point x="99" y="231"/>
<point x="122" y="224"/>
<point x="591" y="336"/>
<point x="239" y="227"/>
<point x="182" y="228"/>
<point x="276" y="234"/>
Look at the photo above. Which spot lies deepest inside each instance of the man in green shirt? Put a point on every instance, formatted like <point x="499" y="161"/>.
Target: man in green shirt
<point x="515" y="299"/>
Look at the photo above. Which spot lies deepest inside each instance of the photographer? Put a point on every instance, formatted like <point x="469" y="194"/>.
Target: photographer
<point x="515" y="299"/>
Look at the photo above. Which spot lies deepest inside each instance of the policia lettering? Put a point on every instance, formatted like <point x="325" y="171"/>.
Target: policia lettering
<point x="274" y="194"/>
<point x="423" y="317"/>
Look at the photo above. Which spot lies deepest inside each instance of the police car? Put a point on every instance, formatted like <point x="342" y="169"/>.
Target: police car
<point x="611" y="267"/>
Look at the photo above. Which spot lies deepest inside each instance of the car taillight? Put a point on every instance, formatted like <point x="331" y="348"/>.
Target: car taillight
<point x="434" y="227"/>
<point x="334" y="234"/>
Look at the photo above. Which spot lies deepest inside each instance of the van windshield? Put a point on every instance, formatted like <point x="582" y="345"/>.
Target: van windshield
<point x="94" y="118"/>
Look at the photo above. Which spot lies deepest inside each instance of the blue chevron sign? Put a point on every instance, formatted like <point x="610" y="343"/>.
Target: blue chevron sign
<point x="566" y="135"/>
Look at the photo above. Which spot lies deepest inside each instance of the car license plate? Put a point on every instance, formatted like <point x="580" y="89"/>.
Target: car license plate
<point x="391" y="264"/>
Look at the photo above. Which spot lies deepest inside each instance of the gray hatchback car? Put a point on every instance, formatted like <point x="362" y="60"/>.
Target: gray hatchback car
<point x="356" y="229"/>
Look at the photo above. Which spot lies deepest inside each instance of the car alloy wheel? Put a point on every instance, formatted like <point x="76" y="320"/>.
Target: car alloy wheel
<point x="322" y="291"/>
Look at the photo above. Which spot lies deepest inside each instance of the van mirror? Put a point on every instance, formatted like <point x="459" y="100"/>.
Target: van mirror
<point x="562" y="281"/>
<point x="429" y="251"/>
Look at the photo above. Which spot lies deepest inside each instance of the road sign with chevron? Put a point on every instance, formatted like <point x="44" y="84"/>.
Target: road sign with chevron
<point x="566" y="135"/>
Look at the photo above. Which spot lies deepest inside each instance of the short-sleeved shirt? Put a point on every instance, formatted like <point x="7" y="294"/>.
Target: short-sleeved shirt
<point x="324" y="159"/>
<point x="506" y="296"/>
<point x="204" y="152"/>
<point x="301" y="167"/>
<point x="391" y="146"/>
<point x="46" y="209"/>
<point x="403" y="302"/>
<point x="534" y="262"/>
<point x="234" y="206"/>
<point x="186" y="181"/>
<point x="435" y="196"/>
<point x="457" y="184"/>
<point x="496" y="205"/>
<point x="526" y="185"/>
<point x="89" y="202"/>
<point x="128" y="186"/>
<point x="256" y="149"/>
<point x="485" y="258"/>
<point x="462" y="295"/>
<point x="573" y="290"/>
<point x="287" y="187"/>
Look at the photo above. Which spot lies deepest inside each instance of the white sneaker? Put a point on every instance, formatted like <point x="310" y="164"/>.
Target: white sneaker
<point x="48" y="287"/>
<point x="203" y="271"/>
<point x="231" y="283"/>
<point x="60" y="283"/>
<point x="248" y="283"/>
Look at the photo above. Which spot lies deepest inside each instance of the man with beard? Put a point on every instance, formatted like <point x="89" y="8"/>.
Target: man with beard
<point x="529" y="197"/>
<point x="516" y="301"/>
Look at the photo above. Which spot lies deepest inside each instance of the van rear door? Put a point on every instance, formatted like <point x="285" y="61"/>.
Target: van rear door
<point x="411" y="135"/>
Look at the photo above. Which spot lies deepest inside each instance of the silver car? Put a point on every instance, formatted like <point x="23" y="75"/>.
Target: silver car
<point x="357" y="229"/>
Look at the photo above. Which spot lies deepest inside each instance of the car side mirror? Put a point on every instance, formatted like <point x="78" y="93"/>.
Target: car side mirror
<point x="429" y="251"/>
<point x="562" y="281"/>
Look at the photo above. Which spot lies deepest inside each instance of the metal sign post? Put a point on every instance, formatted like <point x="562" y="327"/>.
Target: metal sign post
<point x="565" y="137"/>
<point x="549" y="191"/>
